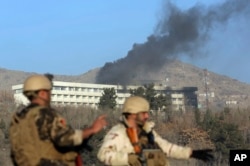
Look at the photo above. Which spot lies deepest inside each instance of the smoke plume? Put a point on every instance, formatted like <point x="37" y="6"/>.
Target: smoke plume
<point x="179" y="32"/>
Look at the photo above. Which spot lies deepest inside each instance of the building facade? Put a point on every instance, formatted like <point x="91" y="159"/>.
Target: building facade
<point x="182" y="98"/>
<point x="83" y="94"/>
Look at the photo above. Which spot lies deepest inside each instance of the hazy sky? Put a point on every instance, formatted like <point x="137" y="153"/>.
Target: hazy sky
<point x="71" y="37"/>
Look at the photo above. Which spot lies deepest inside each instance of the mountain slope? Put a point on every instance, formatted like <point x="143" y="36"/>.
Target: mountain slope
<point x="219" y="88"/>
<point x="13" y="77"/>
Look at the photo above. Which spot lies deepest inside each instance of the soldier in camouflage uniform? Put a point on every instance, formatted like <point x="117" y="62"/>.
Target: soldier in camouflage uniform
<point x="134" y="141"/>
<point x="39" y="136"/>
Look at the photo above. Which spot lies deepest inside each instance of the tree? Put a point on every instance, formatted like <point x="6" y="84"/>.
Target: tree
<point x="108" y="98"/>
<point x="164" y="104"/>
<point x="208" y="120"/>
<point x="151" y="96"/>
<point x="157" y="101"/>
<point x="140" y="91"/>
<point x="163" y="101"/>
<point x="148" y="92"/>
<point x="225" y="135"/>
<point x="197" y="116"/>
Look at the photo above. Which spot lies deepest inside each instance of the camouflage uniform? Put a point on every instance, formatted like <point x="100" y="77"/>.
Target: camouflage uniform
<point x="116" y="147"/>
<point x="39" y="136"/>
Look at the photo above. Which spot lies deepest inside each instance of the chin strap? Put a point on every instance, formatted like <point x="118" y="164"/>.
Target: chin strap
<point x="123" y="120"/>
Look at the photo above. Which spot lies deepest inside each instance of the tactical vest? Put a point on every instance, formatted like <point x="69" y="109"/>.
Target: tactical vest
<point x="29" y="150"/>
<point x="151" y="154"/>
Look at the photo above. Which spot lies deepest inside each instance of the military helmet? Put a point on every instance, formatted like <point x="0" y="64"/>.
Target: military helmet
<point x="135" y="104"/>
<point x="37" y="82"/>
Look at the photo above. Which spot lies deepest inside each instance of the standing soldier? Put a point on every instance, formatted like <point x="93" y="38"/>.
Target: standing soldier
<point x="39" y="136"/>
<point x="134" y="142"/>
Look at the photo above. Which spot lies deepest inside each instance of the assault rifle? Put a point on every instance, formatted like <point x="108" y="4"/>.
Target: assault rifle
<point x="145" y="156"/>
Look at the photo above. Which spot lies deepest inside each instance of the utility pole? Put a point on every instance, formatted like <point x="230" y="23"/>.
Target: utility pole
<point x="206" y="88"/>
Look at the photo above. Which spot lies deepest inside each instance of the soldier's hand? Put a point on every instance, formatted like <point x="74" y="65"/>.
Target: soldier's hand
<point x="204" y="155"/>
<point x="134" y="160"/>
<point x="148" y="126"/>
<point x="99" y="123"/>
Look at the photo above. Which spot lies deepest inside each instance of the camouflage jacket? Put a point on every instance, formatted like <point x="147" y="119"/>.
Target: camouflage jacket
<point x="40" y="136"/>
<point x="116" y="147"/>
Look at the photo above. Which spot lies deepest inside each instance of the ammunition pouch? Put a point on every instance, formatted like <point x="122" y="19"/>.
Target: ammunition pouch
<point x="154" y="157"/>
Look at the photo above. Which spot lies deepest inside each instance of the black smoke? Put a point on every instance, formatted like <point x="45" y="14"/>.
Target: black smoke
<point x="179" y="32"/>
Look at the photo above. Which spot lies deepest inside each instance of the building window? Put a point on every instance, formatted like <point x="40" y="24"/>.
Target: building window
<point x="71" y="89"/>
<point x="56" y="88"/>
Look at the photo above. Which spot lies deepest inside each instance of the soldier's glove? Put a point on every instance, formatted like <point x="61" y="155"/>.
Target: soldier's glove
<point x="148" y="126"/>
<point x="203" y="155"/>
<point x="134" y="160"/>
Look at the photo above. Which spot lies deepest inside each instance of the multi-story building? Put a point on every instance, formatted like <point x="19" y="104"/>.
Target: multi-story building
<point x="71" y="93"/>
<point x="182" y="98"/>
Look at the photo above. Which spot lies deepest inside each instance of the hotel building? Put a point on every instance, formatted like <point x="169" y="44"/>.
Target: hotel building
<point x="85" y="94"/>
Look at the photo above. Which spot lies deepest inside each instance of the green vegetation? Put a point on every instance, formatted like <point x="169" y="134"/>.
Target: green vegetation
<point x="224" y="134"/>
<point x="108" y="99"/>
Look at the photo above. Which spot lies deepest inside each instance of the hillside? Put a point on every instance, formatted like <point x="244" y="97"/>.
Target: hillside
<point x="220" y="88"/>
<point x="13" y="77"/>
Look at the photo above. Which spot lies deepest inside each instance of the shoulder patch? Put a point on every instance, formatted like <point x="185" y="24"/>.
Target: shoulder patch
<point x="62" y="121"/>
